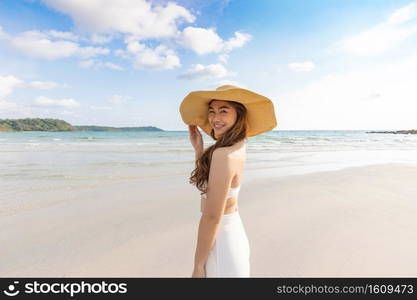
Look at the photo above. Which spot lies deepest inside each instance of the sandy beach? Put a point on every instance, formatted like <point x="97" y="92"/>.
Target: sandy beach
<point x="355" y="222"/>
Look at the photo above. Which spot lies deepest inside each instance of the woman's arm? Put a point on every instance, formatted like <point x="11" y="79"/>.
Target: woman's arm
<point x="196" y="140"/>
<point x="220" y="178"/>
<point x="198" y="153"/>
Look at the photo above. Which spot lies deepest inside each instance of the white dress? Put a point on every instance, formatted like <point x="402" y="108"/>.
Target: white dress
<point x="229" y="256"/>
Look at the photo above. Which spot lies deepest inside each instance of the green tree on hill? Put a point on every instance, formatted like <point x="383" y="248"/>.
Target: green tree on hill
<point x="38" y="124"/>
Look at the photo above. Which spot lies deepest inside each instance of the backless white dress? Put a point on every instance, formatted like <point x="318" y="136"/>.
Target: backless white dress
<point x="229" y="256"/>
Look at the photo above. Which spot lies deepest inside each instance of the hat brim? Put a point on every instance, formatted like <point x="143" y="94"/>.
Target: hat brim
<point x="260" y="109"/>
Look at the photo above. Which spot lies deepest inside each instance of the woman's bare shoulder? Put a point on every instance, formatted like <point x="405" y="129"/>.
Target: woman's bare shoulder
<point x="221" y="153"/>
<point x="226" y="154"/>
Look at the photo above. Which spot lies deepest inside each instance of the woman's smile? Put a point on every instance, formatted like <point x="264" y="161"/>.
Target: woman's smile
<point x="218" y="126"/>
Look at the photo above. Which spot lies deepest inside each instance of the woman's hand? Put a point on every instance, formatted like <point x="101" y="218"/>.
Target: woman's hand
<point x="195" y="138"/>
<point x="199" y="272"/>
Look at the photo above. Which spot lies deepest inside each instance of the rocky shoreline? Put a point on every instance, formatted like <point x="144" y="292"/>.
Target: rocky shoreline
<point x="412" y="131"/>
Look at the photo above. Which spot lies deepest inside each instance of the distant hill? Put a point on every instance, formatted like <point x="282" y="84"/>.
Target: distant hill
<point x="38" y="124"/>
<point x="35" y="124"/>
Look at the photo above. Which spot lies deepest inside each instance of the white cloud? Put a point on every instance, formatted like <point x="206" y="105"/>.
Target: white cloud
<point x="8" y="84"/>
<point x="35" y="45"/>
<point x="101" y="107"/>
<point x="65" y="35"/>
<point x="203" y="41"/>
<point x="68" y="113"/>
<point x="375" y="96"/>
<point x="86" y="63"/>
<point x="40" y="44"/>
<point x="306" y="66"/>
<point x="223" y="58"/>
<point x="377" y="40"/>
<point x="384" y="36"/>
<point x="90" y="63"/>
<point x="144" y="57"/>
<point x="132" y="20"/>
<point x="114" y="100"/>
<point x="371" y="96"/>
<point x="199" y="71"/>
<point x="48" y="102"/>
<point x="136" y="17"/>
<point x="3" y="34"/>
<point x="122" y="53"/>
<point x="403" y="14"/>
<point x="86" y="52"/>
<point x="112" y="66"/>
<point x="100" y="39"/>
<point x="5" y="105"/>
<point x="43" y="85"/>
<point x="238" y="41"/>
<point x="118" y="99"/>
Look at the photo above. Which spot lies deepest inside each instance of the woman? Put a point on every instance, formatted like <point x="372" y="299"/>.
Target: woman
<point x="222" y="244"/>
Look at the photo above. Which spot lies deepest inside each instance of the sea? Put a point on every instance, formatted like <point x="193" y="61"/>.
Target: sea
<point x="33" y="162"/>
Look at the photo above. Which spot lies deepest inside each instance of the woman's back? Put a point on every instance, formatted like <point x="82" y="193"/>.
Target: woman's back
<point x="237" y="154"/>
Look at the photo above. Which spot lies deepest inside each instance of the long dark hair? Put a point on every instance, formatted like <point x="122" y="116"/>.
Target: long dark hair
<point x="199" y="176"/>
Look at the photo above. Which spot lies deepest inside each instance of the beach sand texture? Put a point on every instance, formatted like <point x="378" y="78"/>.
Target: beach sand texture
<point x="355" y="222"/>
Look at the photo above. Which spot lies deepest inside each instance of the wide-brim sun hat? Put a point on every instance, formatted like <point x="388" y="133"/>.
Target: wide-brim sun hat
<point x="260" y="109"/>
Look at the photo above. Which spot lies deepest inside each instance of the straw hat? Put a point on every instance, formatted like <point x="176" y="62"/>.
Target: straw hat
<point x="260" y="109"/>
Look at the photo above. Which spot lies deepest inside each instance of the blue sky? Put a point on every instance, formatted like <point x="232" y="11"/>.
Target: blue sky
<point x="324" y="64"/>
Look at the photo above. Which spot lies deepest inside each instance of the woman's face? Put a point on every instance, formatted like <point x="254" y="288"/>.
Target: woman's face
<point x="223" y="114"/>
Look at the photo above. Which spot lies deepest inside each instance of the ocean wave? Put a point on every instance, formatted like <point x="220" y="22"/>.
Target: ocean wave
<point x="141" y="144"/>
